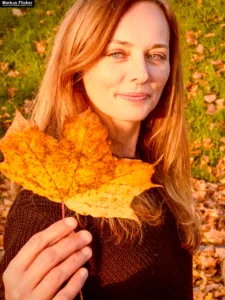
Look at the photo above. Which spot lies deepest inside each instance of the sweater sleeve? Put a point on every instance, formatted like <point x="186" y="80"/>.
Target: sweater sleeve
<point x="28" y="215"/>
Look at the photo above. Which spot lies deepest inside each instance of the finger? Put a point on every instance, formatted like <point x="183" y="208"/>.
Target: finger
<point x="58" y="275"/>
<point x="53" y="256"/>
<point x="38" y="242"/>
<point x="71" y="290"/>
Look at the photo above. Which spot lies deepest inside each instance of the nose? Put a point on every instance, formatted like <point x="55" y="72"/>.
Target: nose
<point x="139" y="70"/>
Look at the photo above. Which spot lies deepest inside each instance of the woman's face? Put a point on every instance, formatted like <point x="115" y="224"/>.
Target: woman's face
<point x="127" y="82"/>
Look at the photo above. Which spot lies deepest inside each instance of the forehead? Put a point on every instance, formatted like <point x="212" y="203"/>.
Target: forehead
<point x="144" y="22"/>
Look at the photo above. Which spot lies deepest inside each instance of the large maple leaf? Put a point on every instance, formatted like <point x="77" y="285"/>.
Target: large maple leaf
<point x="78" y="169"/>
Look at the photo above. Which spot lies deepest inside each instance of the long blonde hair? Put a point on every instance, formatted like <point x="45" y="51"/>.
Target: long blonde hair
<point x="79" y="42"/>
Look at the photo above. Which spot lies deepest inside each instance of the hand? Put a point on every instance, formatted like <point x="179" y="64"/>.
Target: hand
<point x="46" y="261"/>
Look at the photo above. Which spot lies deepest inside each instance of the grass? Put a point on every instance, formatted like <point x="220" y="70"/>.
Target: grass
<point x="203" y="19"/>
<point x="18" y="36"/>
<point x="17" y="48"/>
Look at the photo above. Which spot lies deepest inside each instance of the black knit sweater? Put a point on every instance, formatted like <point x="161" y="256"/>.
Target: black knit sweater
<point x="158" y="268"/>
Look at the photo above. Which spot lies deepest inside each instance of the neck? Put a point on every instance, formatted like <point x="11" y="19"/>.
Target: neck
<point x="124" y="138"/>
<point x="123" y="135"/>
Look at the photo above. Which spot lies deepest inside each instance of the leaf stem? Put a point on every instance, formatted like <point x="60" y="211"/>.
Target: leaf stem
<point x="81" y="295"/>
<point x="63" y="210"/>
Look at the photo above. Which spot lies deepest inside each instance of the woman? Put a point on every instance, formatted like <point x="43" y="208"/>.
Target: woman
<point x="123" y="60"/>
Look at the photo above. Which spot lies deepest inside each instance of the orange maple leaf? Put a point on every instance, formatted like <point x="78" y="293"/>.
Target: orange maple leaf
<point x="78" y="169"/>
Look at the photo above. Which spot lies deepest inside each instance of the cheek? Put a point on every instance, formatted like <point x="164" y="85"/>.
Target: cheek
<point x="159" y="81"/>
<point x="102" y="82"/>
<point x="162" y="76"/>
<point x="104" y="77"/>
<point x="111" y="77"/>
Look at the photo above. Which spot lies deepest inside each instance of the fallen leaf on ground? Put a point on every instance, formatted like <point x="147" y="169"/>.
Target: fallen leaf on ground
<point x="197" y="57"/>
<point x="13" y="73"/>
<point x="17" y="12"/>
<point x="223" y="139"/>
<point x="218" y="63"/>
<point x="3" y="66"/>
<point x="197" y="75"/>
<point x="211" y="126"/>
<point x="211" y="109"/>
<point x="200" y="48"/>
<point x="219" y="103"/>
<point x="78" y="169"/>
<point x="210" y="98"/>
<point x="213" y="49"/>
<point x="49" y="12"/>
<point x="40" y="46"/>
<point x="12" y="92"/>
<point x="192" y="36"/>
<point x="210" y="34"/>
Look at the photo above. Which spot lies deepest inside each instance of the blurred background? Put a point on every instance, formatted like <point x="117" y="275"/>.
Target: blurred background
<point x="26" y="37"/>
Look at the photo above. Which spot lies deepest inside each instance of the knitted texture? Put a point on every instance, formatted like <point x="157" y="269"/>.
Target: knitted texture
<point x="157" y="268"/>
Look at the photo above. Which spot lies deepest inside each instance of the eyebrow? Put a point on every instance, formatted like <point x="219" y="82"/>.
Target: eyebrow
<point x="125" y="43"/>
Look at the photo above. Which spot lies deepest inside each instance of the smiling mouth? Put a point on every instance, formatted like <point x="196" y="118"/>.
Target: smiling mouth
<point x="136" y="97"/>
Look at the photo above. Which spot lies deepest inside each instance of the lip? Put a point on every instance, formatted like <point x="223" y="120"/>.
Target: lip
<point x="135" y="97"/>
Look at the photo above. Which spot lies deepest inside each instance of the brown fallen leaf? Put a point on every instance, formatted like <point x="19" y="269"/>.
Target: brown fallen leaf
<point x="215" y="237"/>
<point x="218" y="63"/>
<point x="192" y="36"/>
<point x="78" y="169"/>
<point x="210" y="34"/>
<point x="221" y="70"/>
<point x="223" y="139"/>
<point x="49" y="12"/>
<point x="3" y="66"/>
<point x="219" y="103"/>
<point x="223" y="269"/>
<point x="211" y="109"/>
<point x="197" y="57"/>
<point x="198" y="295"/>
<point x="220" y="292"/>
<point x="213" y="49"/>
<point x="210" y="98"/>
<point x="207" y="143"/>
<point x="43" y="21"/>
<point x="197" y="75"/>
<point x="200" y="48"/>
<point x="221" y="253"/>
<point x="13" y="73"/>
<point x="17" y="12"/>
<point x="40" y="46"/>
<point x="211" y="126"/>
<point x="12" y="91"/>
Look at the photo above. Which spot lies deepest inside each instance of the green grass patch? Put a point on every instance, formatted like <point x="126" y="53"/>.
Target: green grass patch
<point x="204" y="22"/>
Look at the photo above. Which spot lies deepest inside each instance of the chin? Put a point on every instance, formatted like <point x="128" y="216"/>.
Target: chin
<point x="133" y="118"/>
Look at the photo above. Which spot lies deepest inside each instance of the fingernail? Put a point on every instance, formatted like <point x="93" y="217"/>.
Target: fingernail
<point x="71" y="222"/>
<point x="86" y="251"/>
<point x="86" y="236"/>
<point x="84" y="272"/>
